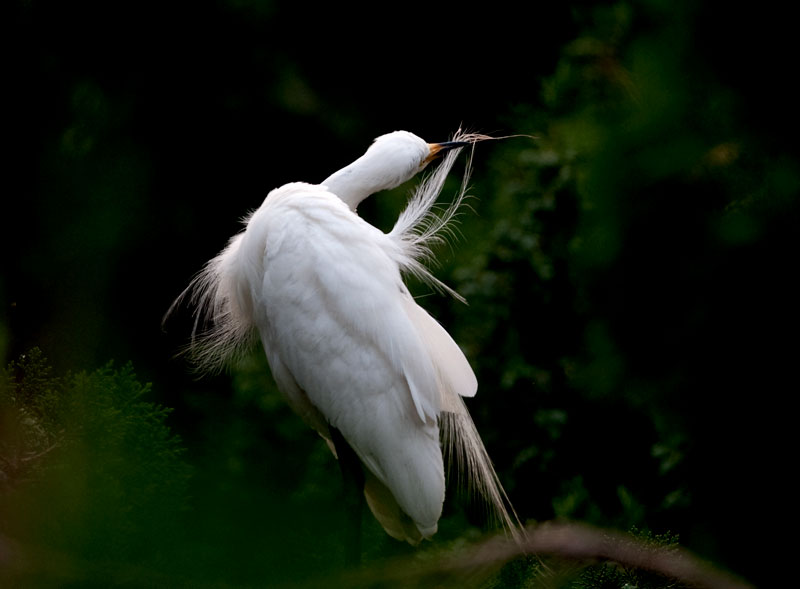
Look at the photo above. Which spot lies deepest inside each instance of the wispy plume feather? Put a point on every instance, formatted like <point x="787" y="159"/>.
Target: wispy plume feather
<point x="463" y="448"/>
<point x="420" y="226"/>
<point x="224" y="328"/>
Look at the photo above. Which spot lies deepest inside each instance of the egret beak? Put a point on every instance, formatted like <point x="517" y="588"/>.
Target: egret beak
<point x="438" y="149"/>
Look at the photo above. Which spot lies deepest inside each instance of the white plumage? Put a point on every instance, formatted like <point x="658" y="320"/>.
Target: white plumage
<point x="347" y="344"/>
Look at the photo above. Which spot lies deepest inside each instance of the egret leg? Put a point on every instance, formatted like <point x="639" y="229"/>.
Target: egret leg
<point x="353" y="490"/>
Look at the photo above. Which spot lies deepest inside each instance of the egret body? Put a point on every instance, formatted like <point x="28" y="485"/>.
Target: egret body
<point x="348" y="346"/>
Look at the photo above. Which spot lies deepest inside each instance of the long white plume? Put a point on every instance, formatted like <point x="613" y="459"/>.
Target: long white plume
<point x="419" y="227"/>
<point x="464" y="449"/>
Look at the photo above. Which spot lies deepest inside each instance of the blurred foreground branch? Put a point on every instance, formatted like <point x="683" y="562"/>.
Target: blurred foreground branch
<point x="563" y="548"/>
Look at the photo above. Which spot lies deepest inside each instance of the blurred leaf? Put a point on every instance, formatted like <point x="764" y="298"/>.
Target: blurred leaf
<point x="90" y="470"/>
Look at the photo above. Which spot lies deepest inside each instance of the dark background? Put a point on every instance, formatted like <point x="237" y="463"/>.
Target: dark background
<point x="629" y="270"/>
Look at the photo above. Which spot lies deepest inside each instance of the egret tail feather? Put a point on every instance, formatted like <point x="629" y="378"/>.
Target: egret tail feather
<point x="464" y="449"/>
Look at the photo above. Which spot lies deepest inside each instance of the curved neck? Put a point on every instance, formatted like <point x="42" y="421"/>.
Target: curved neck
<point x="370" y="173"/>
<point x="351" y="185"/>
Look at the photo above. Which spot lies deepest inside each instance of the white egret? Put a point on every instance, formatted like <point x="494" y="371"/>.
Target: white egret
<point x="352" y="352"/>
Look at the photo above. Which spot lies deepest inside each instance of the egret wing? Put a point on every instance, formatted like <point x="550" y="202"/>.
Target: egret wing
<point x="454" y="374"/>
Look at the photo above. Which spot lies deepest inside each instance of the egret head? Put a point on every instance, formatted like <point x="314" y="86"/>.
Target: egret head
<point x="401" y="154"/>
<point x="391" y="160"/>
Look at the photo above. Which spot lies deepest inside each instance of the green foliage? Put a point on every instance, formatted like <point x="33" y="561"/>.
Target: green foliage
<point x="627" y="274"/>
<point x="90" y="471"/>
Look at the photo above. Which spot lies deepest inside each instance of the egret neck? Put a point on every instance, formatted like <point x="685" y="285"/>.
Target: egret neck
<point x="368" y="175"/>
<point x="350" y="185"/>
<point x="391" y="160"/>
